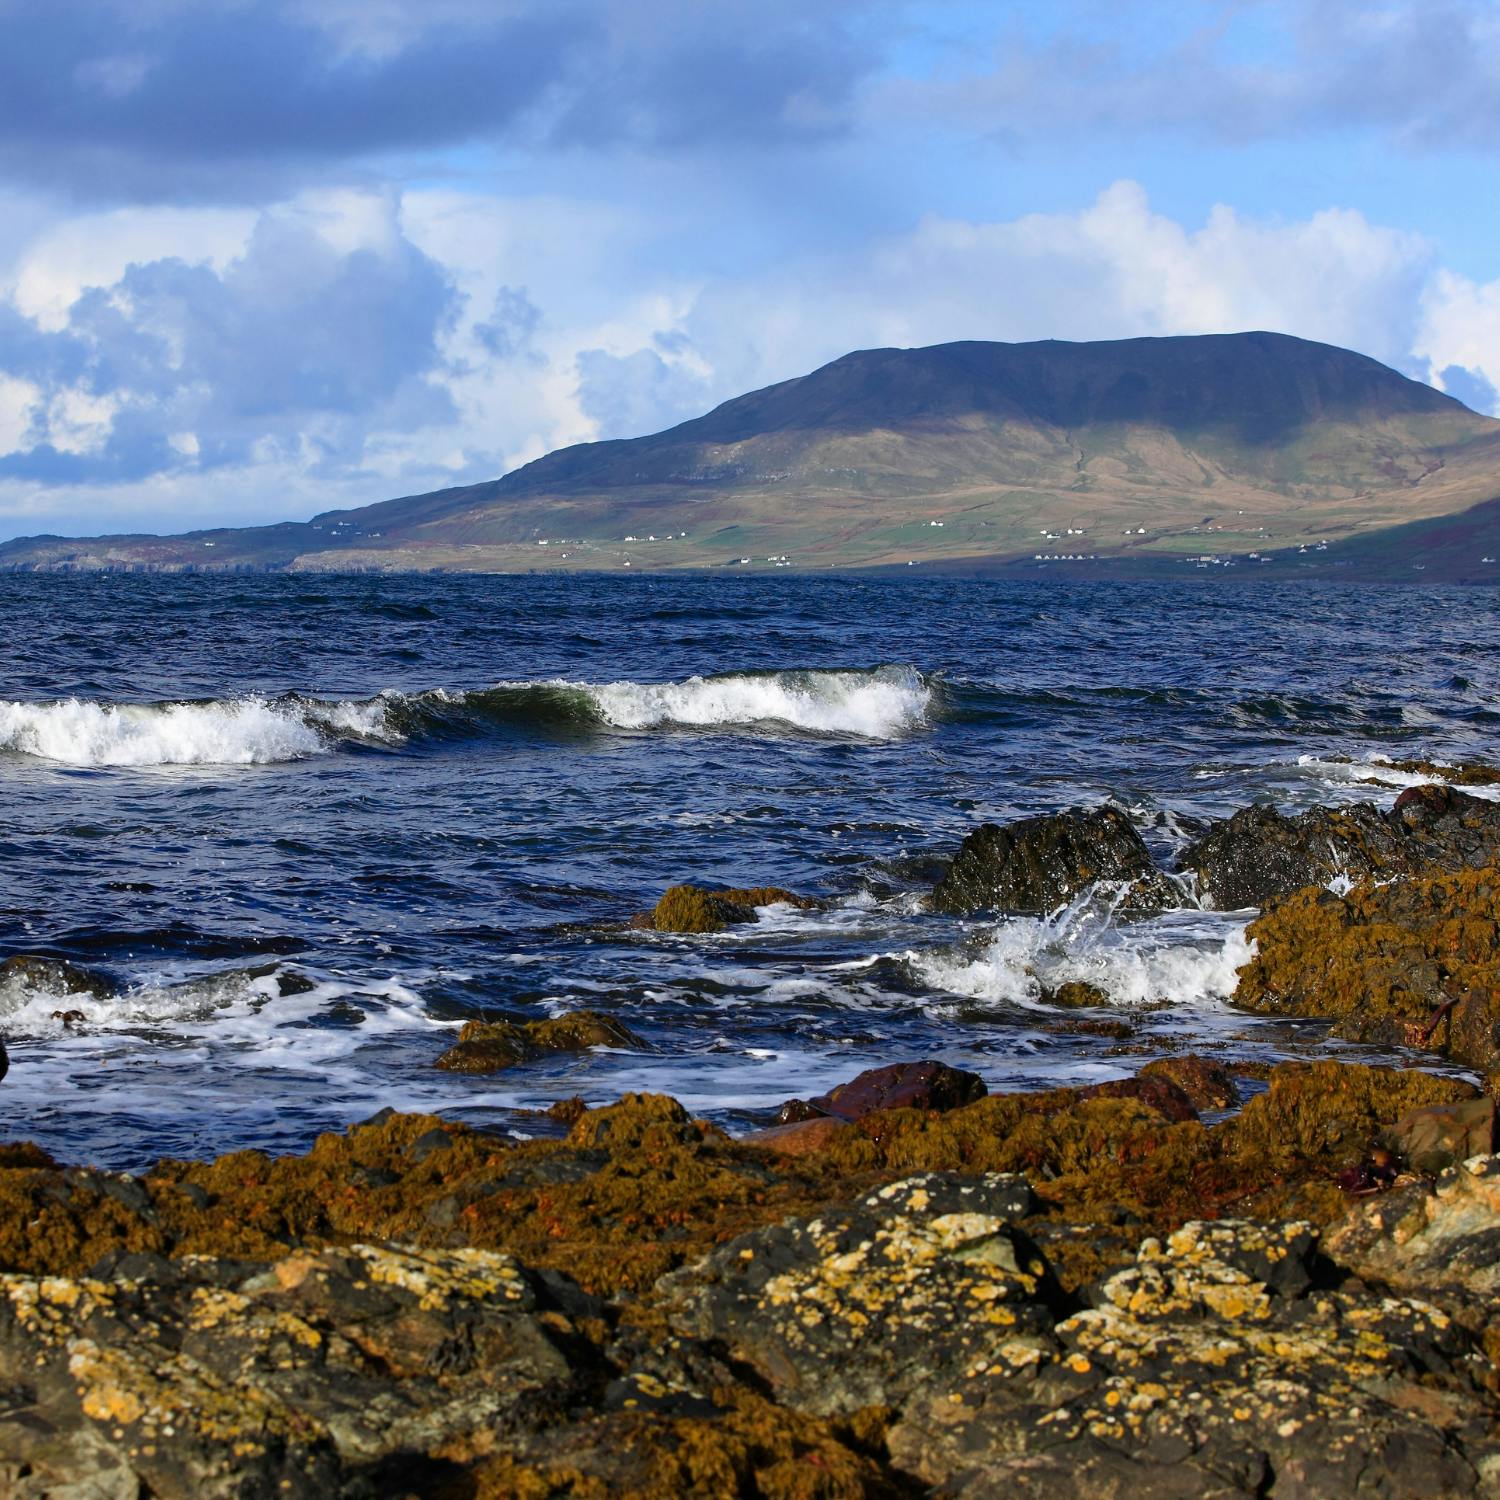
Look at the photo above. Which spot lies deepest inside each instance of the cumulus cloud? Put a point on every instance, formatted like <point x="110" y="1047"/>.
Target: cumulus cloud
<point x="298" y="347"/>
<point x="355" y="347"/>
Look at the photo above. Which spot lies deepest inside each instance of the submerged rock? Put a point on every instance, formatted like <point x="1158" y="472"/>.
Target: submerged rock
<point x="488" y="1046"/>
<point x="1409" y="963"/>
<point x="1039" y="864"/>
<point x="1260" y="854"/>
<point x="54" y="976"/>
<point x="691" y="908"/>
<point x="916" y="1085"/>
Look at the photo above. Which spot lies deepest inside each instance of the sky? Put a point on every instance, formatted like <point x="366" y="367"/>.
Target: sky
<point x="265" y="258"/>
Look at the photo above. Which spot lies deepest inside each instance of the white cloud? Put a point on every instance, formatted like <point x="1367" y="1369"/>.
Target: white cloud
<point x="347" y="347"/>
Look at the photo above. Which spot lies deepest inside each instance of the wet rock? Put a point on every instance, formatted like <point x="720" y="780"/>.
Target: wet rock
<point x="1076" y="994"/>
<point x="1260" y="854"/>
<point x="54" y="976"/>
<point x="1213" y="1366"/>
<point x="1461" y="773"/>
<point x="1039" y="864"/>
<point x="70" y="1018"/>
<point x="692" y="909"/>
<point x="1439" y="1136"/>
<point x="858" y="1306"/>
<point x="915" y="1085"/>
<point x="488" y="1046"/>
<point x="1408" y="963"/>
<point x="1209" y="1085"/>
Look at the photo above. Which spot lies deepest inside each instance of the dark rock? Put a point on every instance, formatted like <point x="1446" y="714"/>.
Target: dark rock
<point x="488" y="1046"/>
<point x="1039" y="864"/>
<point x="1207" y="1084"/>
<point x="428" y="1143"/>
<point x="69" y="1018"/>
<point x="54" y="976"/>
<point x="1193" y="1375"/>
<point x="915" y="1085"/>
<point x="860" y="1306"/>
<point x="1261" y="854"/>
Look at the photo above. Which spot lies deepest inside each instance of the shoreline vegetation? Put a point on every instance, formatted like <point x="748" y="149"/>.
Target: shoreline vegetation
<point x="1210" y="1278"/>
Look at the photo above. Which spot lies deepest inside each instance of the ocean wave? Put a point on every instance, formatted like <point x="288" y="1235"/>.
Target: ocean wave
<point x="1182" y="958"/>
<point x="878" y="704"/>
<point x="233" y="732"/>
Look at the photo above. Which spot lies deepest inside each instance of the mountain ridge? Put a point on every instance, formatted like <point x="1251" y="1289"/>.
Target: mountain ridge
<point x="1148" y="447"/>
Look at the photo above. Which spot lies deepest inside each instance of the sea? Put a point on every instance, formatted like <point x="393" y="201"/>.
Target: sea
<point x="307" y="826"/>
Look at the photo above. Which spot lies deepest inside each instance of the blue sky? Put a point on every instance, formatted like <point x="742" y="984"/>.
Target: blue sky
<point x="260" y="259"/>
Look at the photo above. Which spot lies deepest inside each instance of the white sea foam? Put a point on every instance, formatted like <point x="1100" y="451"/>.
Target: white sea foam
<point x="1183" y="958"/>
<point x="1378" y="770"/>
<point x="234" y="732"/>
<point x="877" y="705"/>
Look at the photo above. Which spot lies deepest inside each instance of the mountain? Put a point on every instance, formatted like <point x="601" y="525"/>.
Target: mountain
<point x="1133" y="454"/>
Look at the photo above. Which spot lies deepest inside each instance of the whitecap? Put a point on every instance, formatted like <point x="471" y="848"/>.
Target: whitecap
<point x="877" y="705"/>
<point x="1182" y="958"/>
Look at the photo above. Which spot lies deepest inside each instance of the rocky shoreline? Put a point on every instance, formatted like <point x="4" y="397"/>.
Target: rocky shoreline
<point x="1213" y="1278"/>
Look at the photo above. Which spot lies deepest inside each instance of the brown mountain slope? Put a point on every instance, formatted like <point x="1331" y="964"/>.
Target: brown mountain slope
<point x="1134" y="448"/>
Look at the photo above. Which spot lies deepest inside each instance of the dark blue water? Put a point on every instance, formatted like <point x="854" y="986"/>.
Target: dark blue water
<point x="428" y="796"/>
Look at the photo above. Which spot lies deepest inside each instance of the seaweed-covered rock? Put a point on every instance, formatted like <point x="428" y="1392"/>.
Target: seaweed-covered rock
<point x="858" y="1306"/>
<point x="1412" y="962"/>
<point x="916" y="1085"/>
<point x="1075" y="994"/>
<point x="1261" y="854"/>
<point x="691" y="908"/>
<point x="488" y="1046"/>
<point x="54" y="976"/>
<point x="1212" y="1367"/>
<point x="1041" y="863"/>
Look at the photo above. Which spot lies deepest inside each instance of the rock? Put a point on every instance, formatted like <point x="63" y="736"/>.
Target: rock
<point x="1207" y="1084"/>
<point x="916" y="1085"/>
<point x="1425" y="1237"/>
<point x="488" y="1046"/>
<point x="1211" y="1367"/>
<point x="857" y="1307"/>
<point x="1409" y="963"/>
<point x="1039" y="864"/>
<point x="691" y="908"/>
<point x="1438" y="1136"/>
<point x="1076" y="994"/>
<point x="54" y="976"/>
<point x="295" y="1379"/>
<point x="1260" y="854"/>
<point x="1330" y="1112"/>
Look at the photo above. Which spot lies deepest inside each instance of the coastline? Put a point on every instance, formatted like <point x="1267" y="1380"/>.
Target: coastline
<point x="1214" y="1277"/>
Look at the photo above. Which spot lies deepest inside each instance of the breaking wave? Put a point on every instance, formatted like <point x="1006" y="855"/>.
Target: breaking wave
<point x="1181" y="958"/>
<point x="876" y="705"/>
